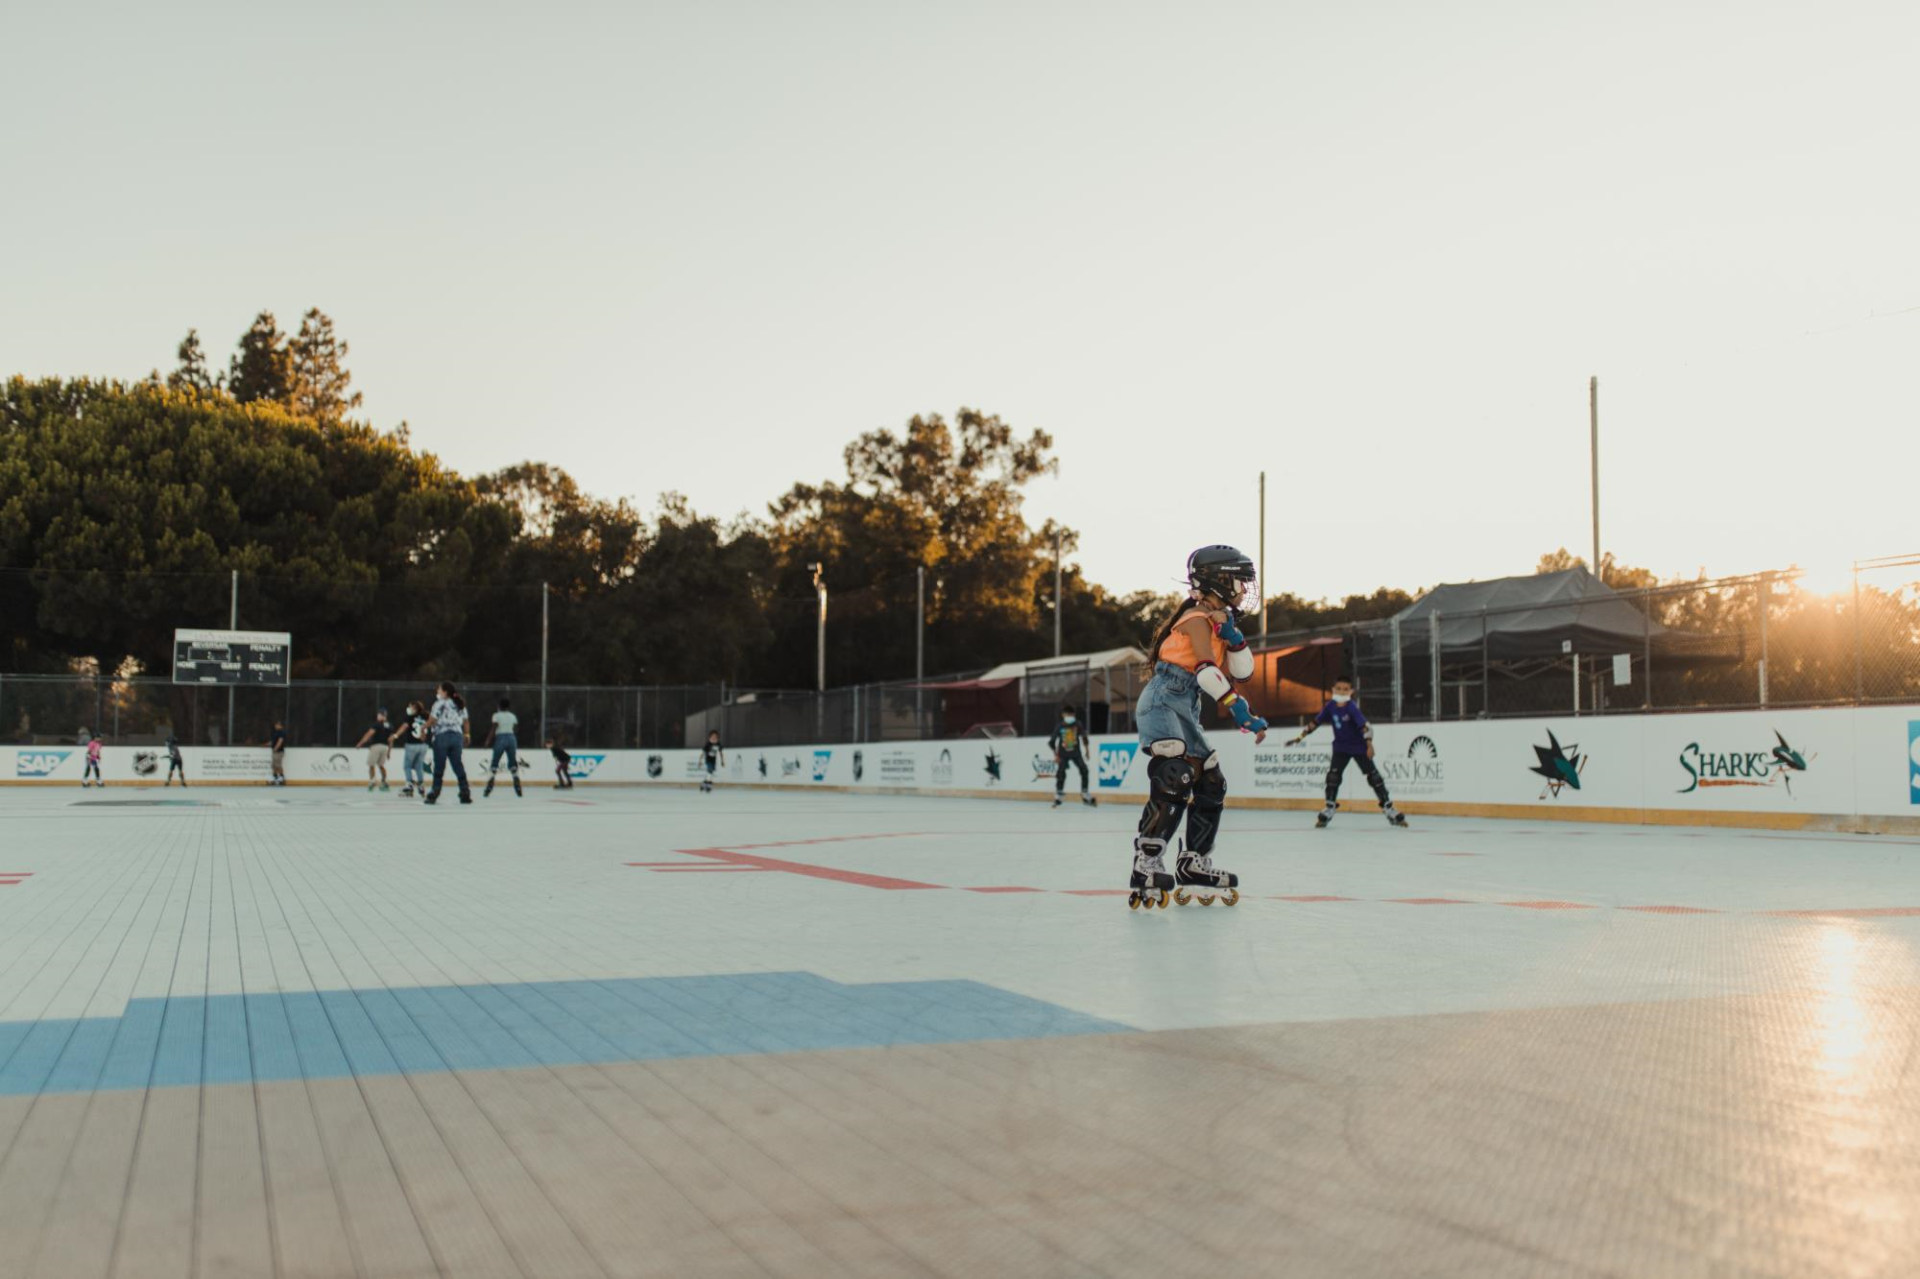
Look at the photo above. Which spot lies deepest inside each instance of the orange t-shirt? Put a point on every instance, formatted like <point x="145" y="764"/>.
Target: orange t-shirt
<point x="1178" y="646"/>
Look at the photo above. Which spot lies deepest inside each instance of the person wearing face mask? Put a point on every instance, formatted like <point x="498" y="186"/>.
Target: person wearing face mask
<point x="1068" y="747"/>
<point x="1352" y="742"/>
<point x="1198" y="649"/>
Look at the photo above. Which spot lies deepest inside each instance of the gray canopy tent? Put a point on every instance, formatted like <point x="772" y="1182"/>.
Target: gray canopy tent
<point x="1522" y="644"/>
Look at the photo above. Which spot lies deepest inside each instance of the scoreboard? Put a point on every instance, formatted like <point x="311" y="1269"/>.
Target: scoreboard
<point x="231" y="657"/>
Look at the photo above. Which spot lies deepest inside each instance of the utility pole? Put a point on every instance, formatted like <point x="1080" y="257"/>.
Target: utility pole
<point x="1261" y="569"/>
<point x="544" y="595"/>
<point x="233" y="624"/>
<point x="820" y="634"/>
<point x="820" y="656"/>
<point x="919" y="646"/>
<point x="1056" y="593"/>
<point x="1593" y="442"/>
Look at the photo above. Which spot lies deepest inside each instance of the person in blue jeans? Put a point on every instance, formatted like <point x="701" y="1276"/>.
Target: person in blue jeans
<point x="504" y="742"/>
<point x="1199" y="649"/>
<point x="1352" y="743"/>
<point x="447" y="721"/>
<point x="413" y="737"/>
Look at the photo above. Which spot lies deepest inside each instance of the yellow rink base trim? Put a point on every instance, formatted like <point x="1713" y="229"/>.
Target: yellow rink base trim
<point x="1848" y="823"/>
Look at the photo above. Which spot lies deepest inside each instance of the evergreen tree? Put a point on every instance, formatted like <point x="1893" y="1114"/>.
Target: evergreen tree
<point x="320" y="379"/>
<point x="192" y="374"/>
<point x="262" y="369"/>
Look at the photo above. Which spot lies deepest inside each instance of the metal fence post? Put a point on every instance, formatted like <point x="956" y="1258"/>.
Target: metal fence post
<point x="1395" y="634"/>
<point x="1486" y="671"/>
<point x="1646" y="642"/>
<point x="1859" y="680"/>
<point x="1433" y="638"/>
<point x="1765" y="588"/>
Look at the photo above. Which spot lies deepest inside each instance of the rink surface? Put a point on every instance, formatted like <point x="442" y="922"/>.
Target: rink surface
<point x="610" y="1032"/>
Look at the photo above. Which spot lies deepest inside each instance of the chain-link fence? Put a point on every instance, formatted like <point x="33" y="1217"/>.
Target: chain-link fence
<point x="1735" y="643"/>
<point x="1765" y="640"/>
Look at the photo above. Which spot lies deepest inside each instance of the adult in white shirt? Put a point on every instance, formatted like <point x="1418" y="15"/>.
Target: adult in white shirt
<point x="447" y="719"/>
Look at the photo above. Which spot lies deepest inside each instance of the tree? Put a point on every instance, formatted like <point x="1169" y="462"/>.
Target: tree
<point x="318" y="386"/>
<point x="1612" y="573"/>
<point x="192" y="373"/>
<point x="262" y="369"/>
<point x="939" y="496"/>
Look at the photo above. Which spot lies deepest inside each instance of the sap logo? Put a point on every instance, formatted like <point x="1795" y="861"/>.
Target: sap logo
<point x="821" y="759"/>
<point x="585" y="766"/>
<point x="38" y="763"/>
<point x="1116" y="760"/>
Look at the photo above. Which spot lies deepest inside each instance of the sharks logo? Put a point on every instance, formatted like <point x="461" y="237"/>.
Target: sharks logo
<point x="1705" y="768"/>
<point x="763" y="766"/>
<point x="993" y="767"/>
<point x="1560" y="765"/>
<point x="859" y="766"/>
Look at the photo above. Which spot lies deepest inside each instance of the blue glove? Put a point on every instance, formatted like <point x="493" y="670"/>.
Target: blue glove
<point x="1243" y="716"/>
<point x="1229" y="631"/>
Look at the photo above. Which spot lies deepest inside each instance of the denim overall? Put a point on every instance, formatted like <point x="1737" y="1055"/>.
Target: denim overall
<point x="1170" y="708"/>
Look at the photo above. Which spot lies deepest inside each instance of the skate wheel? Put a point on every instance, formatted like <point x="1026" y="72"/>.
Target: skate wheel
<point x="1166" y="899"/>
<point x="1133" y="901"/>
<point x="1205" y="899"/>
<point x="1231" y="897"/>
<point x="1182" y="896"/>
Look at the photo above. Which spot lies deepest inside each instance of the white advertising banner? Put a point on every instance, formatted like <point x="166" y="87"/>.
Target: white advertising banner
<point x="1845" y="762"/>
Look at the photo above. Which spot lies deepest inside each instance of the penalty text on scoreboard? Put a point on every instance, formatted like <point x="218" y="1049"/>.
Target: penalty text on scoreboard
<point x="231" y="657"/>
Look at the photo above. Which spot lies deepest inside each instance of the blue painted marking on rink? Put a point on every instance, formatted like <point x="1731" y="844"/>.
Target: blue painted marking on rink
<point x="331" y="1034"/>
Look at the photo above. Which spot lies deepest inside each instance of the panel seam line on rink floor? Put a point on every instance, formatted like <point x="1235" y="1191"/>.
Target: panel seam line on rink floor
<point x="732" y="858"/>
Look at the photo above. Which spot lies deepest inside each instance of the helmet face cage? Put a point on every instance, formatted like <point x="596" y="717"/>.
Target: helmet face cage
<point x="1225" y="574"/>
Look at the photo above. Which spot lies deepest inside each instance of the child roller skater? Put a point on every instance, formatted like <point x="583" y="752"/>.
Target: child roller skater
<point x="1067" y="749"/>
<point x="712" y="757"/>
<point x="1352" y="742"/>
<point x="562" y="765"/>
<point x="1199" y="649"/>
<point x="90" y="776"/>
<point x="504" y="738"/>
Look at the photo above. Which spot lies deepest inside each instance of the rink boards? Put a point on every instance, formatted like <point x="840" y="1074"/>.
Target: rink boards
<point x="1854" y="767"/>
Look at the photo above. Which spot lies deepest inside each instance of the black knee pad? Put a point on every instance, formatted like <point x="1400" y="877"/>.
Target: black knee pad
<point x="1170" y="781"/>
<point x="1209" y="798"/>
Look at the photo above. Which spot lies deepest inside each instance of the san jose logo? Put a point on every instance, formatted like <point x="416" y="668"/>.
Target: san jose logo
<point x="1420" y="771"/>
<point x="1560" y="765"/>
<point x="1708" y="768"/>
<point x="38" y="763"/>
<point x="1116" y="758"/>
<point x="334" y="765"/>
<point x="943" y="769"/>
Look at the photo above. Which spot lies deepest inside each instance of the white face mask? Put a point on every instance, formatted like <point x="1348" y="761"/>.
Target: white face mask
<point x="1066" y="719"/>
<point x="1341" y="699"/>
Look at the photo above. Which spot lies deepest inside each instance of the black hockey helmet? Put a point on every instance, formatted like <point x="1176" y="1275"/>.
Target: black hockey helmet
<point x="1223" y="572"/>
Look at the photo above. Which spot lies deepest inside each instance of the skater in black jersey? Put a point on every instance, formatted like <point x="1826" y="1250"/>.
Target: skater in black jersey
<point x="175" y="764"/>
<point x="1068" y="747"/>
<point x="562" y="773"/>
<point x="712" y="757"/>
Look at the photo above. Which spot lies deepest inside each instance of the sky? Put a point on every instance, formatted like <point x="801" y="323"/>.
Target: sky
<point x="1374" y="250"/>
